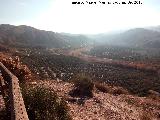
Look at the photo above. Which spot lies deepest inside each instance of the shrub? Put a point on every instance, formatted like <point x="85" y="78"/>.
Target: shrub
<point x="83" y="86"/>
<point x="154" y="95"/>
<point x="43" y="104"/>
<point x="118" y="91"/>
<point x="102" y="87"/>
<point x="146" y="116"/>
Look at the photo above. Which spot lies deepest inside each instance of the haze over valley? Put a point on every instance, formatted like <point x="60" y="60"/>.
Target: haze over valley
<point x="60" y="61"/>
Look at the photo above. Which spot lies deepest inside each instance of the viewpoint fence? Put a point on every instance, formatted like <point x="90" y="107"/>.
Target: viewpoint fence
<point x="12" y="94"/>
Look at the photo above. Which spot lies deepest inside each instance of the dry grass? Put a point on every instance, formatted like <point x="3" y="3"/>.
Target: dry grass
<point x="105" y="88"/>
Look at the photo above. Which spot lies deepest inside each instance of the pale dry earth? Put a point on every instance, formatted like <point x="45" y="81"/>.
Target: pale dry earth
<point x="105" y="106"/>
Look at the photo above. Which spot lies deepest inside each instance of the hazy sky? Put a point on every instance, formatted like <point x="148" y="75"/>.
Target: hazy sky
<point x="63" y="16"/>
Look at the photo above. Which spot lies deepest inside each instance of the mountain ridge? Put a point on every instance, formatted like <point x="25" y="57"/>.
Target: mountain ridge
<point x="137" y="37"/>
<point x="29" y="36"/>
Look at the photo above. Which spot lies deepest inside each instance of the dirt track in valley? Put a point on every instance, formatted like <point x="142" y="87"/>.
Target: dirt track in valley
<point x="79" y="53"/>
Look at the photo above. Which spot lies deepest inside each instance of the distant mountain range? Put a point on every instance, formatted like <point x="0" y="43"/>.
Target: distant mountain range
<point x="28" y="36"/>
<point x="157" y="28"/>
<point x="138" y="37"/>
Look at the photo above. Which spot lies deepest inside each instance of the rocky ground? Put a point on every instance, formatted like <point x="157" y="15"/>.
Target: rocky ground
<point x="105" y="106"/>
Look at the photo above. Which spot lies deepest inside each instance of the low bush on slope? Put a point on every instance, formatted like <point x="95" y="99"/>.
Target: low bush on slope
<point x="43" y="104"/>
